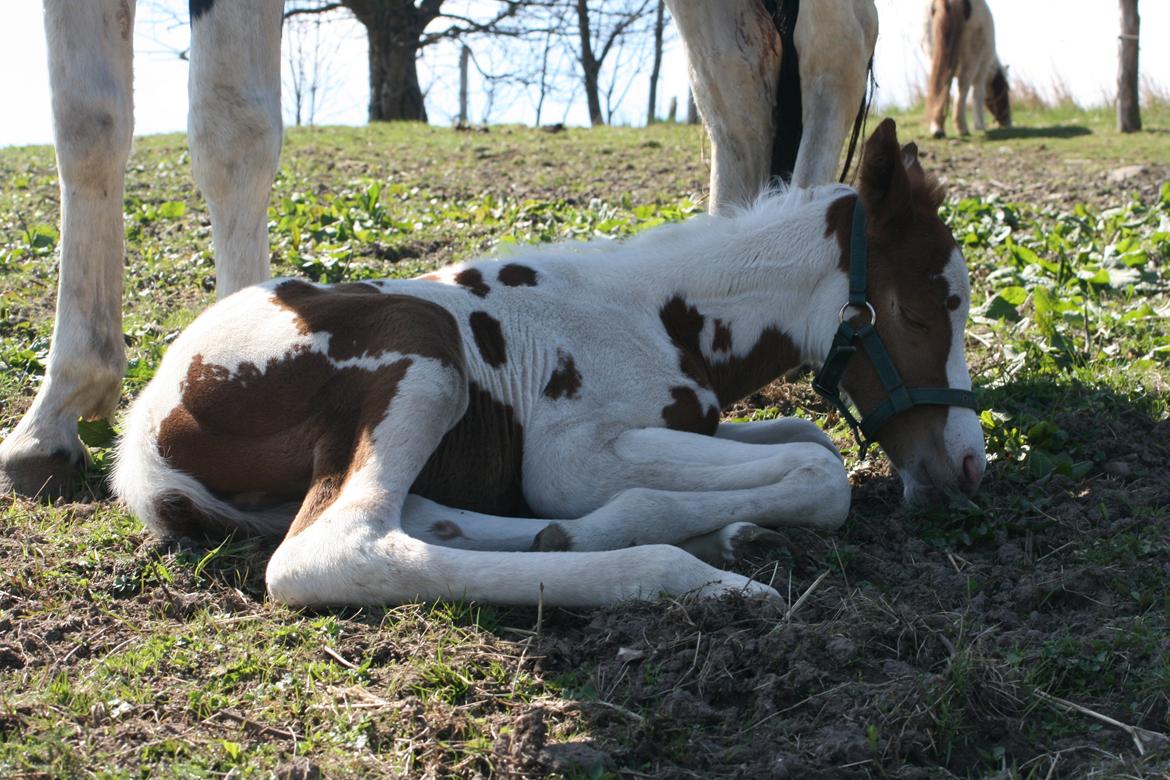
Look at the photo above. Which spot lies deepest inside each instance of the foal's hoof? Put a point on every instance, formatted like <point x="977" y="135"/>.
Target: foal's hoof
<point x="57" y="475"/>
<point x="553" y="538"/>
<point x="743" y="540"/>
<point x="937" y="134"/>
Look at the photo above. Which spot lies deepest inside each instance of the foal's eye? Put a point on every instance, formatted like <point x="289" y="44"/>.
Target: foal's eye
<point x="912" y="319"/>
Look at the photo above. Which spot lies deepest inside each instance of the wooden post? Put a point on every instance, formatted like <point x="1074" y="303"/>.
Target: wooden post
<point x="1129" y="112"/>
<point x="464" y="62"/>
<point x="672" y="113"/>
<point x="692" y="109"/>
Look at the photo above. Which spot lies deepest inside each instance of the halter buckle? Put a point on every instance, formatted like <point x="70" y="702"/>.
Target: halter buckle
<point x="865" y="304"/>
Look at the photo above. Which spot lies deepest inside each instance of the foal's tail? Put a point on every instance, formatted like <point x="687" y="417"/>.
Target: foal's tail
<point x="173" y="504"/>
<point x="947" y="18"/>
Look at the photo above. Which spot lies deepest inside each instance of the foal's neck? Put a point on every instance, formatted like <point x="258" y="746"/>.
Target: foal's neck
<point x="755" y="295"/>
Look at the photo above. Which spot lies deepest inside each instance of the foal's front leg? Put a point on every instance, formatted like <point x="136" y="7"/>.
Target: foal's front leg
<point x="90" y="49"/>
<point x="672" y="486"/>
<point x="356" y="551"/>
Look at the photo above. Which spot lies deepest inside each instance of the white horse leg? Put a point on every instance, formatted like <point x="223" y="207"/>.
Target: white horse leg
<point x="961" y="102"/>
<point x="734" y="53"/>
<point x="356" y="551"/>
<point x="90" y="52"/>
<point x="979" y="96"/>
<point x="234" y="130"/>
<point x="835" y="40"/>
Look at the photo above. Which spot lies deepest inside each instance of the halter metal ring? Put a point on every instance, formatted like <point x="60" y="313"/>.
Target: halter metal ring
<point x="867" y="304"/>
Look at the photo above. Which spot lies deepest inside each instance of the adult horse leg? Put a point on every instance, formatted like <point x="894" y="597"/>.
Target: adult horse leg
<point x="835" y="40"/>
<point x="979" y="95"/>
<point x="90" y="52"/>
<point x="234" y="129"/>
<point x="961" y="101"/>
<point x="734" y="53"/>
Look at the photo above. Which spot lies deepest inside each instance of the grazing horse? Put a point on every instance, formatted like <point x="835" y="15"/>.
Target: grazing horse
<point x="960" y="39"/>
<point x="547" y="425"/>
<point x="234" y="131"/>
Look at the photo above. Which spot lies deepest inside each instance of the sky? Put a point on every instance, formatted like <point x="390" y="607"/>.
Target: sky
<point x="1053" y="45"/>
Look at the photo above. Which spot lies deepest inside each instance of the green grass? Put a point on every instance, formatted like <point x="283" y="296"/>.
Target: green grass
<point x="121" y="658"/>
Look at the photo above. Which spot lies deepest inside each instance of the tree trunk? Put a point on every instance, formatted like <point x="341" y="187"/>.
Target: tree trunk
<point x="1129" y="113"/>
<point x="659" y="23"/>
<point x="589" y="65"/>
<point x="394" y="30"/>
<point x="394" y="90"/>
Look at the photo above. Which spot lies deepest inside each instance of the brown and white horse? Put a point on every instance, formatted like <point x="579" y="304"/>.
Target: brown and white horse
<point x="960" y="39"/>
<point x="437" y="437"/>
<point x="234" y="130"/>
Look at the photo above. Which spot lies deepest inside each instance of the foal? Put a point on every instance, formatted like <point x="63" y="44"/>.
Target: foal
<point x="413" y="438"/>
<point x="960" y="38"/>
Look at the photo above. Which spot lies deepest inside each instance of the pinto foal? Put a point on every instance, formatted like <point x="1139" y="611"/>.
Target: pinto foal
<point x="418" y="438"/>
<point x="960" y="39"/>
<point x="234" y="130"/>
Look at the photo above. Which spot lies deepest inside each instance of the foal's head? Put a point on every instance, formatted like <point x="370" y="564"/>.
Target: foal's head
<point x="920" y="294"/>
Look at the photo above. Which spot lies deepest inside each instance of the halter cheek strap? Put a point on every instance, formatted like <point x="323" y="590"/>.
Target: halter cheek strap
<point x="849" y="339"/>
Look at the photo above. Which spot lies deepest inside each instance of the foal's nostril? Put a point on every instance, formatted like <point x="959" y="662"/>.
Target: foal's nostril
<point x="972" y="474"/>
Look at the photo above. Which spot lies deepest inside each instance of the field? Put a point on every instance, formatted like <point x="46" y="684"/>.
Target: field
<point x="1027" y="636"/>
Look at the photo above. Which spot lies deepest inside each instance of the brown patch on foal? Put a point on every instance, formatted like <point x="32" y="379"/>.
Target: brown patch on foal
<point x="472" y="279"/>
<point x="773" y="353"/>
<point x="300" y="426"/>
<point x="732" y="377"/>
<point x="687" y="413"/>
<point x="721" y="342"/>
<point x="684" y="324"/>
<point x="363" y="322"/>
<point x="489" y="337"/>
<point x="479" y="464"/>
<point x="516" y="275"/>
<point x="839" y="223"/>
<point x="565" y="380"/>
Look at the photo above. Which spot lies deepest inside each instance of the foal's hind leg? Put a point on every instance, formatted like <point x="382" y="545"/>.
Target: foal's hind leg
<point x="351" y="548"/>
<point x="234" y="130"/>
<point x="90" y="48"/>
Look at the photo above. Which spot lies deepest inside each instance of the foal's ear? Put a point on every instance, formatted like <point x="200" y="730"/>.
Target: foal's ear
<point x="885" y="180"/>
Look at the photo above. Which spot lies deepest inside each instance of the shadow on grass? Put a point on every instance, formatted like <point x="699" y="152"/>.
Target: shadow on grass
<point x="1055" y="131"/>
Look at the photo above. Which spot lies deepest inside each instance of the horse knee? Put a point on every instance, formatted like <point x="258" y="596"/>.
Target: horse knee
<point x="93" y="134"/>
<point x="829" y="491"/>
<point x="235" y="141"/>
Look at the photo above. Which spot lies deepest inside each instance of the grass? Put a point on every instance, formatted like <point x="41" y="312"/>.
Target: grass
<point x="923" y="649"/>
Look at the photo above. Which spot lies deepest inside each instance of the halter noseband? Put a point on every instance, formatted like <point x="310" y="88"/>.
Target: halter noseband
<point x="899" y="397"/>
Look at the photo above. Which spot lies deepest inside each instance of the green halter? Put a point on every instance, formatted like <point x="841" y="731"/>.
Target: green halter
<point x="899" y="397"/>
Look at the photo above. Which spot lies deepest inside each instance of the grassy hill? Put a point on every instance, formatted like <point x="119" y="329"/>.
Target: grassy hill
<point x="1026" y="637"/>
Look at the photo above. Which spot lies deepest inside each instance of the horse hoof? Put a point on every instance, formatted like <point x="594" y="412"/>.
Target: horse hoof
<point x="752" y="540"/>
<point x="938" y="134"/>
<point x="553" y="538"/>
<point x="57" y="475"/>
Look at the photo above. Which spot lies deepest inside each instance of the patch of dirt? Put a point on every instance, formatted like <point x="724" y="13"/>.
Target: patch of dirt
<point x="897" y="662"/>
